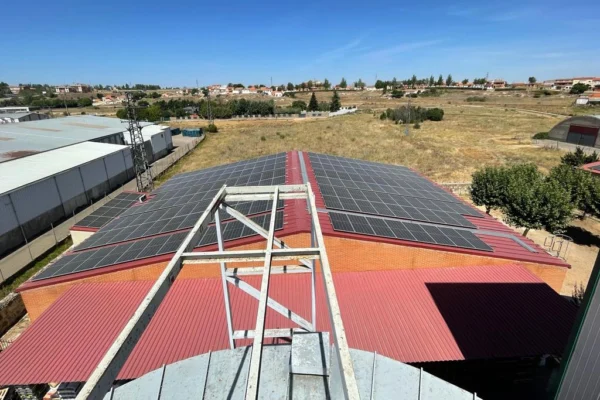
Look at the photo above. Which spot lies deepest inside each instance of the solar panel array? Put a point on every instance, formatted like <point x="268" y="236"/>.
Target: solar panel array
<point x="109" y="210"/>
<point x="181" y="201"/>
<point x="150" y="247"/>
<point x="175" y="207"/>
<point x="361" y="187"/>
<point x="410" y="231"/>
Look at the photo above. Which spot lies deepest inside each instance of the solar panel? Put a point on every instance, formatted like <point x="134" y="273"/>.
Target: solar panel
<point x="411" y="231"/>
<point x="386" y="190"/>
<point x="109" y="210"/>
<point x="149" y="247"/>
<point x="180" y="201"/>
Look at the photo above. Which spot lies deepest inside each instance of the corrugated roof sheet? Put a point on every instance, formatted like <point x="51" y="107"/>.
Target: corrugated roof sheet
<point x="43" y="135"/>
<point x="409" y="315"/>
<point x="27" y="170"/>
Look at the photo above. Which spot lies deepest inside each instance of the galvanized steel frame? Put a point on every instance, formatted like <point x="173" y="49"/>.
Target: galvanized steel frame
<point x="100" y="382"/>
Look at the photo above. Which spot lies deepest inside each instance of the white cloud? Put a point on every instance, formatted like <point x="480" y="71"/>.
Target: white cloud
<point x="401" y="48"/>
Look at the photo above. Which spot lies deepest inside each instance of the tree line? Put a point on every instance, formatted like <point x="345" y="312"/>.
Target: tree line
<point x="532" y="200"/>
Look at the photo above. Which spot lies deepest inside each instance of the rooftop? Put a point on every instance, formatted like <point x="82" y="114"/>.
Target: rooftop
<point x="424" y="315"/>
<point x="356" y="200"/>
<point x="27" y="170"/>
<point x="23" y="139"/>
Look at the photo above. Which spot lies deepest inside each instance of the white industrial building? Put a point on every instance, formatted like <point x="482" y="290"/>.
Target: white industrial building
<point x="157" y="141"/>
<point x="41" y="189"/>
<point x="51" y="168"/>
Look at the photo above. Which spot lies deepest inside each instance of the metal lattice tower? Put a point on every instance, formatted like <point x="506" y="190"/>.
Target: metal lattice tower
<point x="143" y="173"/>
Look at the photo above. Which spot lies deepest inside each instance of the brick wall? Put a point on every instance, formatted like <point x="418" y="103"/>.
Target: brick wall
<point x="345" y="255"/>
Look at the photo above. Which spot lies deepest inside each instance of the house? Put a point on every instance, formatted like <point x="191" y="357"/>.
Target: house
<point x="252" y="90"/>
<point x="498" y="84"/>
<point x="277" y="94"/>
<point x="15" y="89"/>
<point x="244" y="91"/>
<point x="563" y="84"/>
<point x="591" y="81"/>
<point x="74" y="88"/>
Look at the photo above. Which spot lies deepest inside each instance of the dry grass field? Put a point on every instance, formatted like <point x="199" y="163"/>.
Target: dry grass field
<point x="446" y="151"/>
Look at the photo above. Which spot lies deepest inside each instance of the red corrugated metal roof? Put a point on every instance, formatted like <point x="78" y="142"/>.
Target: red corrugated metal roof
<point x="411" y="315"/>
<point x="588" y="167"/>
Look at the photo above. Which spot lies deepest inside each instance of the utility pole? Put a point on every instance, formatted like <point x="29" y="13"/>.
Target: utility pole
<point x="143" y="173"/>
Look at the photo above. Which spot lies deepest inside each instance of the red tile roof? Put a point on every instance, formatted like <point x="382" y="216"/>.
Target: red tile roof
<point x="409" y="315"/>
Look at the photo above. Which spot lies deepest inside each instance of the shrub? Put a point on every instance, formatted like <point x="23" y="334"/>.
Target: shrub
<point x="578" y="158"/>
<point x="541" y="135"/>
<point x="434" y="114"/>
<point x="417" y="126"/>
<point x="212" y="128"/>
<point x="383" y="116"/>
<point x="471" y="99"/>
<point x="537" y="95"/>
<point x="262" y="138"/>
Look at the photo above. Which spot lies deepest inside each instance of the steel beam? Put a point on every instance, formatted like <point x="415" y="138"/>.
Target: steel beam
<point x="259" y="331"/>
<point x="223" y="268"/>
<point x="269" y="333"/>
<point x="337" y="326"/>
<point x="233" y="256"/>
<point x="230" y="198"/>
<point x="101" y="380"/>
<point x="286" y="269"/>
<point x="272" y="304"/>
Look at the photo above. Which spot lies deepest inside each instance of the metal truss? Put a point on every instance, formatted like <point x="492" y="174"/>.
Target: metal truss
<point x="101" y="380"/>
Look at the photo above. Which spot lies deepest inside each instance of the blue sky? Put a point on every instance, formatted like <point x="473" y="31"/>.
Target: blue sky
<point x="174" y="43"/>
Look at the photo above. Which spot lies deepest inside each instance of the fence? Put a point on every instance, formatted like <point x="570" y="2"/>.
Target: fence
<point x="557" y="145"/>
<point x="20" y="258"/>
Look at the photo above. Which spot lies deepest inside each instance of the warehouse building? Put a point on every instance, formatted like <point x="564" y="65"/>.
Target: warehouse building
<point x="41" y="189"/>
<point x="421" y="277"/>
<point x="580" y="130"/>
<point x="157" y="141"/>
<point x="16" y="117"/>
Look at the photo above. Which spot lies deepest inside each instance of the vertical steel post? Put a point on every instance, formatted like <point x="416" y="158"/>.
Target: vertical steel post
<point x="224" y="281"/>
<point x="259" y="331"/>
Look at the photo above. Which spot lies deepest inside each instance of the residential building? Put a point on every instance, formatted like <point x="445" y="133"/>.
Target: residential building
<point x="15" y="89"/>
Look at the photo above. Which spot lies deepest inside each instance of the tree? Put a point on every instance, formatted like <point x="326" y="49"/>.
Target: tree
<point x="84" y="102"/>
<point x="533" y="202"/>
<point x="313" y="104"/>
<point x="152" y="113"/>
<point x="578" y="158"/>
<point x="449" y="80"/>
<point x="290" y="86"/>
<point x="532" y="80"/>
<point x="122" y="113"/>
<point x="488" y="188"/>
<point x="396" y="94"/>
<point x="359" y="84"/>
<point x="379" y="84"/>
<point x="431" y="80"/>
<point x="465" y="81"/>
<point x="579" y="88"/>
<point x="335" y="102"/>
<point x="434" y="114"/>
<point x="299" y="104"/>
<point x="440" y="81"/>
<point x="326" y="84"/>
<point x="413" y="80"/>
<point x="583" y="188"/>
<point x="479" y="81"/>
<point x="309" y="84"/>
<point x="194" y="91"/>
<point x="100" y="96"/>
<point x="394" y="83"/>
<point x="343" y="83"/>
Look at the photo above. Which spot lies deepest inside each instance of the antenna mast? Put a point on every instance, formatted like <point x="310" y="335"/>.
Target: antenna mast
<point x="143" y="174"/>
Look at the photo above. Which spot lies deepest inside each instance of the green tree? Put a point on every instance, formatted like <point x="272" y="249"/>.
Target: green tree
<point x="84" y="102"/>
<point x="359" y="84"/>
<point x="533" y="202"/>
<point x="479" y="81"/>
<point x="434" y="114"/>
<point x="449" y="80"/>
<point x="313" y="104"/>
<point x="100" y="96"/>
<point x="431" y="80"/>
<point x="578" y="158"/>
<point x="583" y="188"/>
<point x="326" y="84"/>
<point x="309" y="84"/>
<point x="152" y="113"/>
<point x="413" y="80"/>
<point x="440" y="81"/>
<point x="194" y="91"/>
<point x="394" y="83"/>
<point x="290" y="86"/>
<point x="532" y="80"/>
<point x="335" y="104"/>
<point x="122" y="113"/>
<point x="379" y="84"/>
<point x="343" y="83"/>
<point x="299" y="104"/>
<point x="488" y="188"/>
<point x="579" y="88"/>
<point x="465" y="81"/>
